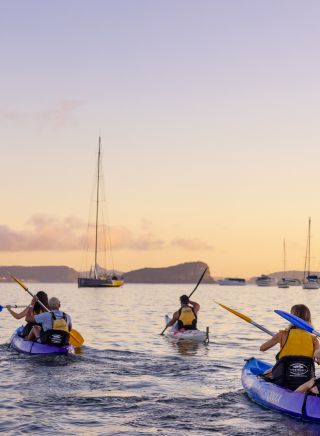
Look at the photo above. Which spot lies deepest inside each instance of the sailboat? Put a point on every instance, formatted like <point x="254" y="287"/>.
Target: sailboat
<point x="284" y="282"/>
<point x="310" y="281"/>
<point x="98" y="277"/>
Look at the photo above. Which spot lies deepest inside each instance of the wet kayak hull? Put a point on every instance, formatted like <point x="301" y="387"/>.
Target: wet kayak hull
<point x="275" y="397"/>
<point x="176" y="335"/>
<point x="29" y="347"/>
<point x="188" y="335"/>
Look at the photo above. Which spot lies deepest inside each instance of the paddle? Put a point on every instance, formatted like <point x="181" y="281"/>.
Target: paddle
<point x="11" y="306"/>
<point x="245" y="318"/>
<point x="199" y="281"/>
<point x="298" y="322"/>
<point x="76" y="338"/>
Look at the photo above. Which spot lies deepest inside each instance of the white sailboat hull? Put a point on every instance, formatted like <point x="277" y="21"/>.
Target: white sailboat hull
<point x="311" y="285"/>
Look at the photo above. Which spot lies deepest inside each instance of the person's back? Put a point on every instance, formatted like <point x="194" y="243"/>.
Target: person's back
<point x="55" y="325"/>
<point x="295" y="359"/>
<point x="186" y="317"/>
<point x="296" y="342"/>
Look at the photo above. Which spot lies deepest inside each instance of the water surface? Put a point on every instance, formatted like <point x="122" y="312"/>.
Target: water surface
<point x="128" y="380"/>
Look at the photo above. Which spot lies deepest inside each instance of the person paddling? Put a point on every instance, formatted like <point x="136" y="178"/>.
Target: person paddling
<point x="187" y="316"/>
<point x="52" y="327"/>
<point x="36" y="309"/>
<point x="298" y="348"/>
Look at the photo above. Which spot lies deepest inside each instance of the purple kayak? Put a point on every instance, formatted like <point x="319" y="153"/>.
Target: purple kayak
<point x="275" y="397"/>
<point x="29" y="347"/>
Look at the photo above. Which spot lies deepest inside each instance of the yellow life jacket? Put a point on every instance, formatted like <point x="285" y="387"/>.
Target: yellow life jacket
<point x="60" y="324"/>
<point x="187" y="317"/>
<point x="298" y="343"/>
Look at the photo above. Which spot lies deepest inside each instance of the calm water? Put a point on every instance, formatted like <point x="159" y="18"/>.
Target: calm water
<point x="128" y="380"/>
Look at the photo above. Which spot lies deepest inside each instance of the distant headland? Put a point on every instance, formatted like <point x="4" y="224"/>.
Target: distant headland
<point x="189" y="272"/>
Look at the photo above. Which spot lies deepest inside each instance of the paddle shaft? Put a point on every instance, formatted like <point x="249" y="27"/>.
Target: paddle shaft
<point x="15" y="306"/>
<point x="199" y="281"/>
<point x="245" y="318"/>
<point x="38" y="301"/>
<point x="262" y="328"/>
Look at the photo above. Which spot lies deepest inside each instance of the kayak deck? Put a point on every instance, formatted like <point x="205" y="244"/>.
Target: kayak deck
<point x="176" y="335"/>
<point x="275" y="397"/>
<point x="29" y="347"/>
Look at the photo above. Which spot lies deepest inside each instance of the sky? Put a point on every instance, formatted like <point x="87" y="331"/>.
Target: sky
<point x="209" y="117"/>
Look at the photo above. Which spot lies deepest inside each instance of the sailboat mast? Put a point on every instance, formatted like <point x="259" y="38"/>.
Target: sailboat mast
<point x="97" y="212"/>
<point x="284" y="258"/>
<point x="309" y="246"/>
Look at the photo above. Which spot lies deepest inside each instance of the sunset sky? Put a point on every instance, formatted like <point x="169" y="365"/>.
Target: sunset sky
<point x="209" y="118"/>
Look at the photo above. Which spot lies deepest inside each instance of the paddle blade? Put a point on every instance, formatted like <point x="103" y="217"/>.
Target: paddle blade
<point x="1" y="308"/>
<point x="295" y="320"/>
<point x="240" y="315"/>
<point x="76" y="339"/>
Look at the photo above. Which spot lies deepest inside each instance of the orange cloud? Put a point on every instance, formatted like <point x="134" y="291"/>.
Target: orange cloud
<point x="48" y="233"/>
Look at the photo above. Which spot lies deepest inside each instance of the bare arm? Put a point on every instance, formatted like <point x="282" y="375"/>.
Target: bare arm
<point x="195" y="306"/>
<point x="316" y="347"/>
<point x="276" y="339"/>
<point x="15" y="314"/>
<point x="174" y="318"/>
<point x="30" y="314"/>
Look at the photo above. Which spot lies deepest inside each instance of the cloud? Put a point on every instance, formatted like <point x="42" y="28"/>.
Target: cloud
<point x="49" y="233"/>
<point x="147" y="241"/>
<point x="191" y="244"/>
<point x="44" y="234"/>
<point x="59" y="114"/>
<point x="123" y="238"/>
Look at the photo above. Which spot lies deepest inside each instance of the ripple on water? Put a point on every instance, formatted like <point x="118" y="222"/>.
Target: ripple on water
<point x="128" y="380"/>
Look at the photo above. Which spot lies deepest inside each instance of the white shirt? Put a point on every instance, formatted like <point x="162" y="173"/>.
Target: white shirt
<point x="45" y="319"/>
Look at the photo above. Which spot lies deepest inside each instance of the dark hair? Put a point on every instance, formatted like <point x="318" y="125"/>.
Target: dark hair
<point x="43" y="297"/>
<point x="184" y="299"/>
<point x="302" y="312"/>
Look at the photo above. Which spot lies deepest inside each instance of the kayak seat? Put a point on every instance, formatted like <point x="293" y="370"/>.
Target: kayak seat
<point x="19" y="331"/>
<point x="292" y="371"/>
<point x="58" y="338"/>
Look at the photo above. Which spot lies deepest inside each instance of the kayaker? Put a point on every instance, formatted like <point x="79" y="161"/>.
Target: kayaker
<point x="296" y="346"/>
<point x="52" y="327"/>
<point x="186" y="317"/>
<point x="37" y="309"/>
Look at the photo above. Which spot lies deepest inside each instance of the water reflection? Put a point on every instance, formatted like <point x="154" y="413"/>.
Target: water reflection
<point x="128" y="377"/>
<point x="187" y="348"/>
